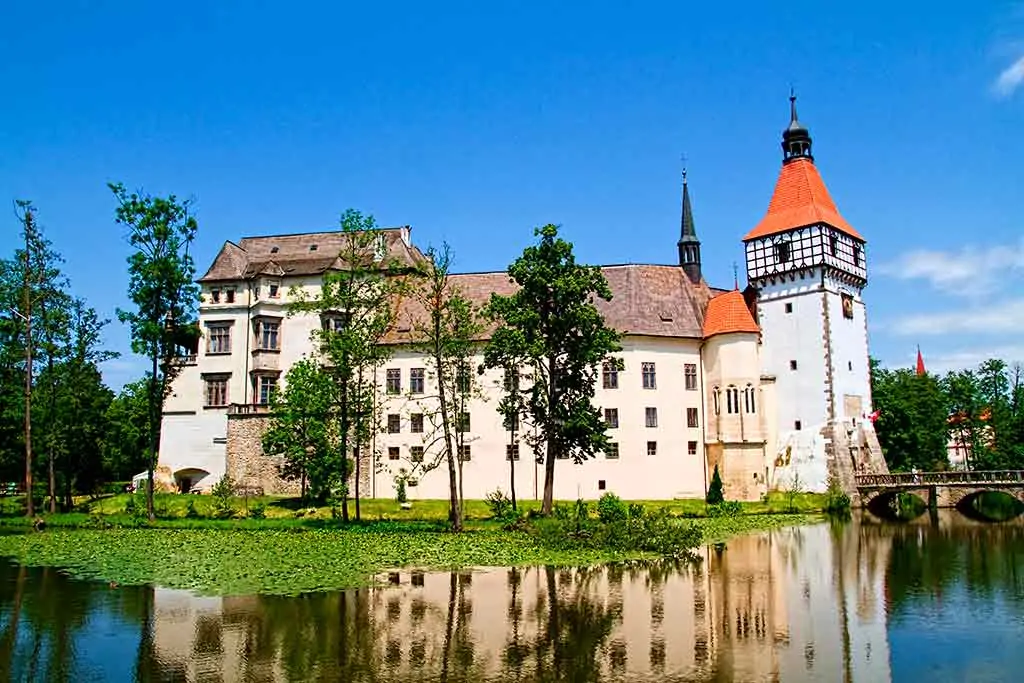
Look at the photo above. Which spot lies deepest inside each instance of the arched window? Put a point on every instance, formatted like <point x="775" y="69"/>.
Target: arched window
<point x="716" y="397"/>
<point x="749" y="399"/>
<point x="732" y="400"/>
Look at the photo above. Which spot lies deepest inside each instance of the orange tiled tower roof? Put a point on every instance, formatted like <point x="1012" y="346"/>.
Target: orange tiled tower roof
<point x="728" y="313"/>
<point x="800" y="196"/>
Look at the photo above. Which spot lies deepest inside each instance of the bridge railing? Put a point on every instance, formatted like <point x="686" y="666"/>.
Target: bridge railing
<point x="941" y="478"/>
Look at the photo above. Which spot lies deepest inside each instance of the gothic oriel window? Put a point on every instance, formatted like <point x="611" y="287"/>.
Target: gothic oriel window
<point x="266" y="385"/>
<point x="732" y="400"/>
<point x="691" y="417"/>
<point x="611" y="418"/>
<point x="268" y="334"/>
<point x="216" y="390"/>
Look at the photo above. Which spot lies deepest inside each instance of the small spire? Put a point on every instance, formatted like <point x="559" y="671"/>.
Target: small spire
<point x="796" y="139"/>
<point x="735" y="276"/>
<point x="688" y="244"/>
<point x="920" y="362"/>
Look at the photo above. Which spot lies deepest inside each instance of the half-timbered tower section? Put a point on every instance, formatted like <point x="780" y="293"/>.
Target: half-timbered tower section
<point x="807" y="268"/>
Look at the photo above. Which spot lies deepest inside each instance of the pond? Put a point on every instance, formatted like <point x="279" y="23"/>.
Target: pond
<point x="937" y="599"/>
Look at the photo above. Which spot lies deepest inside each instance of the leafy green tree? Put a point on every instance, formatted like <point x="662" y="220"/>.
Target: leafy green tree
<point x="357" y="306"/>
<point x="551" y="326"/>
<point x="715" y="493"/>
<point x="912" y="422"/>
<point x="127" y="434"/>
<point x="303" y="429"/>
<point x="448" y="334"/>
<point x="161" y="274"/>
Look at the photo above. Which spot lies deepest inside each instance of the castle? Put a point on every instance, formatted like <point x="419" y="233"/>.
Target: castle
<point x="769" y="384"/>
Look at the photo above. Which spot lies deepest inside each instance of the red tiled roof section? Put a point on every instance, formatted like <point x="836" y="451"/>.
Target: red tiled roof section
<point x="800" y="199"/>
<point x="728" y="313"/>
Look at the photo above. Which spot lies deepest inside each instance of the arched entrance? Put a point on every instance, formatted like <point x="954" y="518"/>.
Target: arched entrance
<point x="188" y="478"/>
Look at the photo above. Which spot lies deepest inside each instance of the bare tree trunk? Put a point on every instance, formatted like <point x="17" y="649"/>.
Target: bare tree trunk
<point x="344" y="449"/>
<point x="359" y="432"/>
<point x="154" y="435"/>
<point x="29" y="505"/>
<point x="552" y="445"/>
<point x="454" y="509"/>
<point x="512" y="473"/>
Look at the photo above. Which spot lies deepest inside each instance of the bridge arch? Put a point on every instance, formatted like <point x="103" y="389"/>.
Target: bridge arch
<point x="899" y="505"/>
<point x="990" y="505"/>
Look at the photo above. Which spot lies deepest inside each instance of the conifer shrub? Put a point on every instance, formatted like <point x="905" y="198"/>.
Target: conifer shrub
<point x="715" y="494"/>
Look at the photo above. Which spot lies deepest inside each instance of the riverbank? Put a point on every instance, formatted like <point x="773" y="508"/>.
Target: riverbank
<point x="285" y="554"/>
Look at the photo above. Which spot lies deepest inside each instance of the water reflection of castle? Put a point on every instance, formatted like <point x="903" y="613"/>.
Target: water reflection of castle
<point x="795" y="604"/>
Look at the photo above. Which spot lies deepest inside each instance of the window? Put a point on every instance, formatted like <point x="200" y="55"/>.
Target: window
<point x="512" y="451"/>
<point x="511" y="380"/>
<point x="732" y="400"/>
<point x="849" y="365"/>
<point x="313" y="247"/>
<point x="847" y="306"/>
<point x="334" y="322"/>
<point x="394" y="423"/>
<point x="782" y="252"/>
<point x="792" y="365"/>
<point x="797" y="425"/>
<point x="511" y="422"/>
<point x="650" y="381"/>
<point x="274" y="290"/>
<point x="749" y="399"/>
<point x="691" y="447"/>
<point x="465" y="453"/>
<point x="789" y="307"/>
<point x="833" y="244"/>
<point x="462" y="424"/>
<point x="611" y="451"/>
<point x="266" y="386"/>
<point x="268" y="334"/>
<point x="229" y="295"/>
<point x="463" y="379"/>
<point x="416" y="423"/>
<point x="393" y="452"/>
<point x="393" y="381"/>
<point x="600" y="485"/>
<point x="219" y="339"/>
<point x="716" y="396"/>
<point x="690" y="372"/>
<point x="691" y="417"/>
<point x="215" y="296"/>
<point x="416" y="453"/>
<point x="610" y="374"/>
<point x="611" y="418"/>
<point x="216" y="391"/>
<point x="652" y="448"/>
<point x="651" y="417"/>
<point x="856" y="255"/>
<point x="416" y="380"/>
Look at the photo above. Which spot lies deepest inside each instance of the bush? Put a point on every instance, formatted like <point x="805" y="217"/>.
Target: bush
<point x="499" y="504"/>
<point x="715" y="494"/>
<point x="610" y="508"/>
<point x="190" y="511"/>
<point x="727" y="508"/>
<point x="258" y="511"/>
<point x="656" y="532"/>
<point x="400" y="494"/>
<point x="636" y="510"/>
<point x="837" y="502"/>
<point x="222" y="493"/>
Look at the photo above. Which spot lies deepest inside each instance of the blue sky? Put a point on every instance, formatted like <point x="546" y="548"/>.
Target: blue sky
<point x="474" y="122"/>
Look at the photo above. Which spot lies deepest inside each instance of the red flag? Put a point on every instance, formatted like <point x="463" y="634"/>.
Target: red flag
<point x="874" y="416"/>
<point x="920" y="362"/>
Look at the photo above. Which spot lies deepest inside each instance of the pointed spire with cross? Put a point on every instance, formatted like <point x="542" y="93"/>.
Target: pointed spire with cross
<point x="688" y="244"/>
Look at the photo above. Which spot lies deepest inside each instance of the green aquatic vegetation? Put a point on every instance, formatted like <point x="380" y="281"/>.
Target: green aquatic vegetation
<point x="233" y="559"/>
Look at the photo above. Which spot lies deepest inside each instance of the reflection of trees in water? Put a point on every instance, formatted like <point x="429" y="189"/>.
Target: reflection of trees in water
<point x="928" y="559"/>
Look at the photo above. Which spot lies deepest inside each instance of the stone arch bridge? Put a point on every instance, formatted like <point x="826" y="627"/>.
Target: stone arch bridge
<point x="940" y="489"/>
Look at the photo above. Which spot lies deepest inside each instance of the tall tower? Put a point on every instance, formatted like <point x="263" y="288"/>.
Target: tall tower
<point x="688" y="244"/>
<point x="807" y="266"/>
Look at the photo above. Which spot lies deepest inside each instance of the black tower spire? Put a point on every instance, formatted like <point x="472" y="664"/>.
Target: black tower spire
<point x="796" y="140"/>
<point x="688" y="244"/>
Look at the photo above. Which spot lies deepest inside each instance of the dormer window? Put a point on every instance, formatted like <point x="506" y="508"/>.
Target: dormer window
<point x="381" y="248"/>
<point x="274" y="290"/>
<point x="215" y="296"/>
<point x="229" y="296"/>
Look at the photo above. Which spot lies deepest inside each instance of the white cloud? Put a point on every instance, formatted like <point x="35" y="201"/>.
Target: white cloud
<point x="998" y="317"/>
<point x="971" y="271"/>
<point x="1010" y="79"/>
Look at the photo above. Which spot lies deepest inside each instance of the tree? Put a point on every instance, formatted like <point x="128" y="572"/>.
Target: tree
<point x="448" y="333"/>
<point x="912" y="421"/>
<point x="42" y="289"/>
<point x="161" y="274"/>
<point x="126" y="437"/>
<point x="551" y="326"/>
<point x="715" y="493"/>
<point x="356" y="304"/>
<point x="302" y="428"/>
